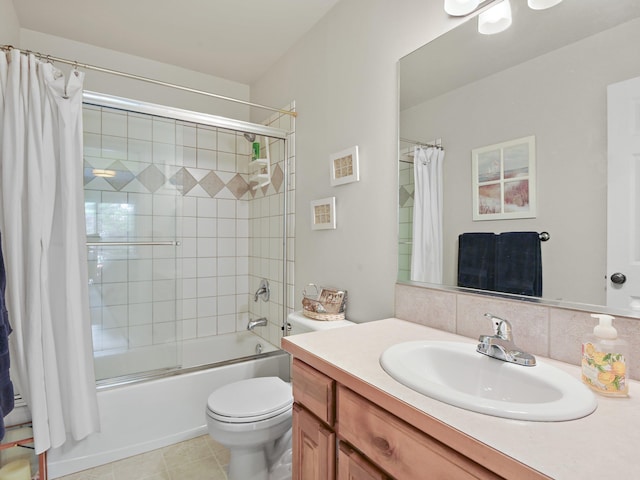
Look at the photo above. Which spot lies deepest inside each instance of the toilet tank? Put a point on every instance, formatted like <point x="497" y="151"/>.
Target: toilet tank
<point x="298" y="323"/>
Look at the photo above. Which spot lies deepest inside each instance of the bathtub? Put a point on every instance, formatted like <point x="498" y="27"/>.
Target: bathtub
<point x="145" y="415"/>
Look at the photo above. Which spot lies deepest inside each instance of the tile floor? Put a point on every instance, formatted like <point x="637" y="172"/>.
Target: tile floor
<point x="198" y="459"/>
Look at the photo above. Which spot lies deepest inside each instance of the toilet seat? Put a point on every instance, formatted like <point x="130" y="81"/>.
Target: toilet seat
<point x="251" y="400"/>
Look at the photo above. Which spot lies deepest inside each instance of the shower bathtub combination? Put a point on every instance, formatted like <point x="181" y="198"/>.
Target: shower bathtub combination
<point x="146" y="415"/>
<point x="183" y="225"/>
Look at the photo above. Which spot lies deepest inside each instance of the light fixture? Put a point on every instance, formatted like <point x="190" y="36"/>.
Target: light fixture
<point x="460" y="8"/>
<point x="542" y="4"/>
<point x="496" y="19"/>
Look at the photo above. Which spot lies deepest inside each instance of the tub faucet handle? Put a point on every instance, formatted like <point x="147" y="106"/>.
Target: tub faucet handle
<point x="263" y="291"/>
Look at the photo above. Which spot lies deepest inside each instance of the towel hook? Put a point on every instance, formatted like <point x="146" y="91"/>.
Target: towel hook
<point x="544" y="236"/>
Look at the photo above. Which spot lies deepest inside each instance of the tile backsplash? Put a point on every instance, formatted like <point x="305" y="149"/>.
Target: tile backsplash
<point x="547" y="331"/>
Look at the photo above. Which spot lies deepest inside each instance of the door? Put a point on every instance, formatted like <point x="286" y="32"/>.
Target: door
<point x="623" y="195"/>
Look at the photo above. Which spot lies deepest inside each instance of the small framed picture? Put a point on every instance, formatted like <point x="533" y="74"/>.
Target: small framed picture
<point x="323" y="214"/>
<point x="504" y="180"/>
<point x="344" y="166"/>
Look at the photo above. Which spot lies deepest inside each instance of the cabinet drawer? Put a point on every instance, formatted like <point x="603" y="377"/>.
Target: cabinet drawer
<point x="352" y="466"/>
<point x="315" y="391"/>
<point x="398" y="448"/>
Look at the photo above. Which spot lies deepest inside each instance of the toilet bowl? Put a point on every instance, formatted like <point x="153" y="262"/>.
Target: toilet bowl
<point x="250" y="417"/>
<point x="253" y="417"/>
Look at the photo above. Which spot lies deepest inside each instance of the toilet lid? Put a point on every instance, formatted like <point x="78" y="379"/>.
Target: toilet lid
<point x="250" y="400"/>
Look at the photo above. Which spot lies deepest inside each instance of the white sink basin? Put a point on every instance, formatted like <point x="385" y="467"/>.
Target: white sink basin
<point x="456" y="374"/>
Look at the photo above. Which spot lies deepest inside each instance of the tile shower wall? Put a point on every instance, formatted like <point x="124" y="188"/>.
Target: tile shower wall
<point x="405" y="216"/>
<point x="177" y="180"/>
<point x="266" y="229"/>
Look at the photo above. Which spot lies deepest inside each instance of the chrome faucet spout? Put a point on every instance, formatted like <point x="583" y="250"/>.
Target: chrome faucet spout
<point x="500" y="345"/>
<point x="259" y="322"/>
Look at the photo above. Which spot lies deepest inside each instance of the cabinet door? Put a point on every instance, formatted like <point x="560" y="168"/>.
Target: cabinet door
<point x="314" y="447"/>
<point x="353" y="466"/>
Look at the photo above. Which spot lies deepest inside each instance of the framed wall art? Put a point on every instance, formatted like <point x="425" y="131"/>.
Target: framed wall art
<point x="504" y="180"/>
<point x="344" y="166"/>
<point x="323" y="214"/>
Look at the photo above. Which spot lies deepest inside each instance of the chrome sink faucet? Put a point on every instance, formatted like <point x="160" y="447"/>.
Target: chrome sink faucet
<point x="500" y="345"/>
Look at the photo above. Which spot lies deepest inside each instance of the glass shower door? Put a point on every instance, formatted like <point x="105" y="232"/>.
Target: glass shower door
<point x="130" y="210"/>
<point x="183" y="223"/>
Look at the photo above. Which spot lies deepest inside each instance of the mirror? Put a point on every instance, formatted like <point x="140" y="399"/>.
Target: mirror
<point x="546" y="77"/>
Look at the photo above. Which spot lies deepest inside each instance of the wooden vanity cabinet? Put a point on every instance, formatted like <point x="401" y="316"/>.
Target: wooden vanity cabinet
<point x="314" y="439"/>
<point x="314" y="447"/>
<point x="398" y="448"/>
<point x="353" y="466"/>
<point x="373" y="444"/>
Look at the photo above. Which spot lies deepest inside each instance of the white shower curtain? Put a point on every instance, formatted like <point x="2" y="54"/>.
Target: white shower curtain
<point x="43" y="233"/>
<point x="426" y="251"/>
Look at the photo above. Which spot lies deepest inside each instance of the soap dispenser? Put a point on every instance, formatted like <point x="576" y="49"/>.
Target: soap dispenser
<point x="605" y="359"/>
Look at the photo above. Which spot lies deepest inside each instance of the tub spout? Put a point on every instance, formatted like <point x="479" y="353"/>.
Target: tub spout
<point x="260" y="322"/>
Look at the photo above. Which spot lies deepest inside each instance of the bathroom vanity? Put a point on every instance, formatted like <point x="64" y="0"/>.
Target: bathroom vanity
<point x="353" y="421"/>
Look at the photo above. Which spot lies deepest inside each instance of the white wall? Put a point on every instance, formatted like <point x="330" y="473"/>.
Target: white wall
<point x="343" y="78"/>
<point x="129" y="88"/>
<point x="9" y="25"/>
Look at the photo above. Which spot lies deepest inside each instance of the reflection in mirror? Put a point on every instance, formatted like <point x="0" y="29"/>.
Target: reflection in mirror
<point x="547" y="77"/>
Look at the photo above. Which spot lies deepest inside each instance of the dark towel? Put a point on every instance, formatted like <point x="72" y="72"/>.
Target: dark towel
<point x="6" y="386"/>
<point x="6" y="397"/>
<point x="519" y="264"/>
<point x="476" y="260"/>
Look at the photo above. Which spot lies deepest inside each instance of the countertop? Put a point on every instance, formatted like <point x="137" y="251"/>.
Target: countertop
<point x="603" y="445"/>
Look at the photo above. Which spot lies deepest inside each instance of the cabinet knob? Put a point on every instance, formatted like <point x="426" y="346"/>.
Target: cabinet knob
<point x="383" y="445"/>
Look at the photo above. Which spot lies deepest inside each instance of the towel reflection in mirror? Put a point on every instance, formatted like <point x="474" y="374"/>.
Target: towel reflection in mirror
<point x="509" y="262"/>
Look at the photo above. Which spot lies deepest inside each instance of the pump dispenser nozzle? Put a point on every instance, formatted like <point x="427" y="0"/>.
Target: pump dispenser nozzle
<point x="604" y="329"/>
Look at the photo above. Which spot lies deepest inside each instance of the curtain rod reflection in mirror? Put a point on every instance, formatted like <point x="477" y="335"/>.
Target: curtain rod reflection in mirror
<point x="418" y="143"/>
<point x="408" y="151"/>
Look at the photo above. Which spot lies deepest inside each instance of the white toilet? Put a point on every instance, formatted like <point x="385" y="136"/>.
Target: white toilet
<point x="253" y="417"/>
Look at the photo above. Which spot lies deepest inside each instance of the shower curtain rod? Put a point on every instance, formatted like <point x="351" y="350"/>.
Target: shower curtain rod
<point x="75" y="64"/>
<point x="435" y="144"/>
